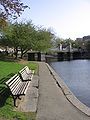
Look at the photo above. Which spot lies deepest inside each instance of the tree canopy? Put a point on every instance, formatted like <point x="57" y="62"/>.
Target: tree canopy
<point x="42" y="40"/>
<point x="26" y="36"/>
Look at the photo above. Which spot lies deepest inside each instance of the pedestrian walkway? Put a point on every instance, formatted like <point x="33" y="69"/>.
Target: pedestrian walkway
<point x="29" y="101"/>
<point x="52" y="103"/>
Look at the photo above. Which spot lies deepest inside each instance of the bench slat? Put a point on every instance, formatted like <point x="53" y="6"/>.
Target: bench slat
<point x="19" y="86"/>
<point x="26" y="74"/>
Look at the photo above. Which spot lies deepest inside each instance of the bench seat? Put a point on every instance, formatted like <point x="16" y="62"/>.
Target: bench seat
<point x="17" y="87"/>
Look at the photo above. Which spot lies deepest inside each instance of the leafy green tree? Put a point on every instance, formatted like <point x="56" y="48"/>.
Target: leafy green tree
<point x="58" y="42"/>
<point x="42" y="40"/>
<point x="25" y="36"/>
<point x="19" y="36"/>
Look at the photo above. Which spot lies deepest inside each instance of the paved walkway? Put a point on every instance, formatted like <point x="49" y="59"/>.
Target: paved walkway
<point x="29" y="101"/>
<point x="52" y="104"/>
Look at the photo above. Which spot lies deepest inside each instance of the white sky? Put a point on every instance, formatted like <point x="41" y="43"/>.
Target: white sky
<point x="68" y="18"/>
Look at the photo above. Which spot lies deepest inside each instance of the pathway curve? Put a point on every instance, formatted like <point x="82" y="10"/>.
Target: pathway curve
<point x="52" y="103"/>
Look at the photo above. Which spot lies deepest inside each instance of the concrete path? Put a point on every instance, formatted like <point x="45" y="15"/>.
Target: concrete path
<point x="52" y="103"/>
<point x="29" y="101"/>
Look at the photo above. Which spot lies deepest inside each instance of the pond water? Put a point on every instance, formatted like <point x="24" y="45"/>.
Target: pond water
<point x="76" y="74"/>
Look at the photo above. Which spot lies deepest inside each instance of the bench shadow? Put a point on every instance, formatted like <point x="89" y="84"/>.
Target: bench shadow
<point x="4" y="79"/>
<point x="3" y="97"/>
<point x="4" y="90"/>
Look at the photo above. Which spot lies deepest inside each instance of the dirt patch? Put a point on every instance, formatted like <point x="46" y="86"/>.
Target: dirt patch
<point x="21" y="61"/>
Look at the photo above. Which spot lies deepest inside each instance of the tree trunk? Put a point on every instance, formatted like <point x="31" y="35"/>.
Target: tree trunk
<point x="21" y="53"/>
<point x="16" y="52"/>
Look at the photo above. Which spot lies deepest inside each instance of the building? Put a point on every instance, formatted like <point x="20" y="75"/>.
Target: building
<point x="86" y="38"/>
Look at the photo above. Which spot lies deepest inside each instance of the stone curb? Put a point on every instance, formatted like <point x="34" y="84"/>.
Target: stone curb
<point x="68" y="94"/>
<point x="35" y="81"/>
<point x="30" y="100"/>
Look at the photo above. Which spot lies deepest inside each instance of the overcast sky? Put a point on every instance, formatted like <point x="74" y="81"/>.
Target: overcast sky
<point x="68" y="18"/>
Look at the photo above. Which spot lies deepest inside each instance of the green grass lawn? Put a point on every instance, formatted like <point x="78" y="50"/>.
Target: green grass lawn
<point x="7" y="112"/>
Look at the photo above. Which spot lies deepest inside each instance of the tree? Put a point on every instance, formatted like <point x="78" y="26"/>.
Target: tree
<point x="25" y="36"/>
<point x="10" y="9"/>
<point x="3" y="24"/>
<point x="42" y="40"/>
<point x="19" y="36"/>
<point x="58" y="42"/>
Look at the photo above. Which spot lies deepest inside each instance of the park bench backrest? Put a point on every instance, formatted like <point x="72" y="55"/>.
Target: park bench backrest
<point x="13" y="82"/>
<point x="26" y="74"/>
<point x="17" y="87"/>
<point x="23" y="74"/>
<point x="29" y="71"/>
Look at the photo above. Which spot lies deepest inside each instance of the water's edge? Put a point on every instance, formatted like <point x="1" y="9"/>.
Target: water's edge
<point x="68" y="94"/>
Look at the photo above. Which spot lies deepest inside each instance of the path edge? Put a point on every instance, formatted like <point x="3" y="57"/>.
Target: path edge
<point x="67" y="92"/>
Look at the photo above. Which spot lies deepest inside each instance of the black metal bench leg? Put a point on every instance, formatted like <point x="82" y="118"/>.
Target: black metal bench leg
<point x="15" y="101"/>
<point x="19" y="98"/>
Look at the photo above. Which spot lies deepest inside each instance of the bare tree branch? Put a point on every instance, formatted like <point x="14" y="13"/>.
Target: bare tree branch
<point x="11" y="8"/>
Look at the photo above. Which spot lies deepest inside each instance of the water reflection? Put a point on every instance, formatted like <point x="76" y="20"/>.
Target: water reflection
<point x="76" y="75"/>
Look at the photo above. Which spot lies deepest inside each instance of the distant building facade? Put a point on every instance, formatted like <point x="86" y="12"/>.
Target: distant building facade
<point x="83" y="41"/>
<point x="79" y="39"/>
<point x="85" y="38"/>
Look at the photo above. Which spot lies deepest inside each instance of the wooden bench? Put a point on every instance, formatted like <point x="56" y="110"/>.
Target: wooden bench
<point x="17" y="87"/>
<point x="26" y="74"/>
